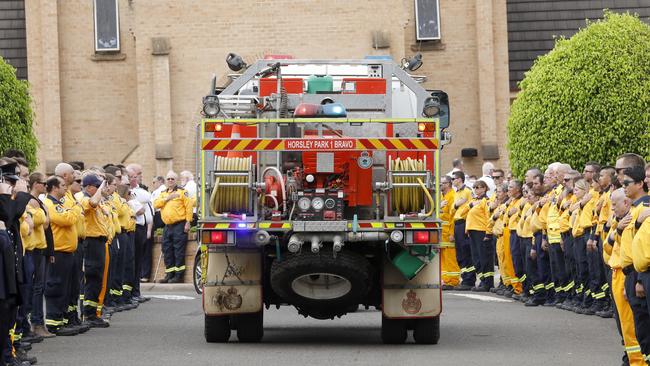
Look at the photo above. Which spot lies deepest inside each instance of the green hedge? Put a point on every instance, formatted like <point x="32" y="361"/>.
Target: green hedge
<point x="16" y="114"/>
<point x="587" y="99"/>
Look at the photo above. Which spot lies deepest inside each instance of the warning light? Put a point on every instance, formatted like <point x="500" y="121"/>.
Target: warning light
<point x="218" y="127"/>
<point x="421" y="237"/>
<point x="218" y="237"/>
<point x="425" y="127"/>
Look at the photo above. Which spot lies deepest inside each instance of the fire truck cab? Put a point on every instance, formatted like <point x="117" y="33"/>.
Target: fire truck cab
<point x="319" y="190"/>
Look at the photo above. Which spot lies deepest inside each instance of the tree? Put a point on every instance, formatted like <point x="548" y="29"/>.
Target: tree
<point x="587" y="99"/>
<point x="16" y="114"/>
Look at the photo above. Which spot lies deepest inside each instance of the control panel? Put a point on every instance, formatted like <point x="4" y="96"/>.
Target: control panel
<point x="320" y="205"/>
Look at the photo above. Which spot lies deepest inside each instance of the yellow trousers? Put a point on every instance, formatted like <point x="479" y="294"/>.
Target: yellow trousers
<point x="506" y="268"/>
<point x="632" y="347"/>
<point x="450" y="268"/>
<point x="102" y="294"/>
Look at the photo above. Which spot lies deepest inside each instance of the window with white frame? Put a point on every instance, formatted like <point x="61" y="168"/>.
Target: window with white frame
<point x="427" y="20"/>
<point x="107" y="25"/>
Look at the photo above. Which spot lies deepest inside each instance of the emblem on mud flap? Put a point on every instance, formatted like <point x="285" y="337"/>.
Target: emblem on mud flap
<point x="411" y="304"/>
<point x="230" y="300"/>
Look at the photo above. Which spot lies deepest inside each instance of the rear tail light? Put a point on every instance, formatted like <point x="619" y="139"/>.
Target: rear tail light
<point x="215" y="237"/>
<point x="421" y="237"/>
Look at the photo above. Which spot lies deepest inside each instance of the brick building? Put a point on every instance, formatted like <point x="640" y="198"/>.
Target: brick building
<point x="136" y="104"/>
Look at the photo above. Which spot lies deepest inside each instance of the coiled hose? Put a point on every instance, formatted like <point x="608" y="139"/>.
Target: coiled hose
<point x="408" y="199"/>
<point x="230" y="199"/>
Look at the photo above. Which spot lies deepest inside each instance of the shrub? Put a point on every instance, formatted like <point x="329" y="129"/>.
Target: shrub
<point x="587" y="99"/>
<point x="16" y="114"/>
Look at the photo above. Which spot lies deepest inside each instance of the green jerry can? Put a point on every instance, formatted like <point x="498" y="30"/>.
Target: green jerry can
<point x="320" y="84"/>
<point x="410" y="264"/>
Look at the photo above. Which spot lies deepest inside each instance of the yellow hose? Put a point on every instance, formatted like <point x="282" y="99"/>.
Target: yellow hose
<point x="407" y="199"/>
<point x="230" y="199"/>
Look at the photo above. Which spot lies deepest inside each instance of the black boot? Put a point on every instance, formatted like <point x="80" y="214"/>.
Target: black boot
<point x="168" y="277"/>
<point x="178" y="278"/>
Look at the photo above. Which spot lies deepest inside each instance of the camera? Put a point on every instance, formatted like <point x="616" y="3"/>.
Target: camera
<point x="9" y="173"/>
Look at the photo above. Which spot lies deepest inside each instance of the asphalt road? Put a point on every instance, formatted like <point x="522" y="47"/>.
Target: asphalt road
<point x="169" y="331"/>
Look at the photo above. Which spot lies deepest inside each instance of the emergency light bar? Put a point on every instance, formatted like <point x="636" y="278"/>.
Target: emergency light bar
<point x="210" y="122"/>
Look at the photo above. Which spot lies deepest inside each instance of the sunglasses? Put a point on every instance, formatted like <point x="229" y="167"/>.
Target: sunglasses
<point x="171" y="178"/>
<point x="78" y="181"/>
<point x="497" y="176"/>
<point x="627" y="182"/>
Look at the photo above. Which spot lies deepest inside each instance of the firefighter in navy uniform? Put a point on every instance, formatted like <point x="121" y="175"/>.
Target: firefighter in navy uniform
<point x="97" y="233"/>
<point x="11" y="252"/>
<point x="176" y="211"/>
<point x="59" y="272"/>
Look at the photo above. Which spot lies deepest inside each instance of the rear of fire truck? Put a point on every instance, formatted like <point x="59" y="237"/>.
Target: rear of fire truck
<point x="319" y="190"/>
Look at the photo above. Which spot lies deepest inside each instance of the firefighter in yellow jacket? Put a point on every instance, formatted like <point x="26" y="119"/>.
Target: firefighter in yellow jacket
<point x="59" y="272"/>
<point x="450" y="268"/>
<point x="621" y="207"/>
<point x="175" y="208"/>
<point x="98" y="234"/>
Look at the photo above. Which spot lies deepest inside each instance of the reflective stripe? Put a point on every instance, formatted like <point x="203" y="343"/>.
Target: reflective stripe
<point x="65" y="321"/>
<point x="488" y="274"/>
<point x="550" y="286"/>
<point x="170" y="269"/>
<point x="18" y="336"/>
<point x="538" y="287"/>
<point x="71" y="308"/>
<point x="479" y="276"/>
<point x="127" y="288"/>
<point x="599" y="295"/>
<point x="81" y="297"/>
<point x="450" y="273"/>
<point x="605" y="287"/>
<point x="52" y="322"/>
<point x="633" y="349"/>
<point x="90" y="303"/>
<point x="523" y="278"/>
<point x="181" y="268"/>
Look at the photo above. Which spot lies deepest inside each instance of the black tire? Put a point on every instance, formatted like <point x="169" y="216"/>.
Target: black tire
<point x="250" y="327"/>
<point x="217" y="328"/>
<point x="196" y="273"/>
<point x="427" y="330"/>
<point x="393" y="331"/>
<point x="351" y="270"/>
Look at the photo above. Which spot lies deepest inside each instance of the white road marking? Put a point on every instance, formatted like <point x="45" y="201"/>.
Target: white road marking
<point x="483" y="298"/>
<point x="172" y="297"/>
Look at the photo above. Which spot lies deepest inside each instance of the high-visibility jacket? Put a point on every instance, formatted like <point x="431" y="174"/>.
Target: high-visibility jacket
<point x="641" y="248"/>
<point x="62" y="222"/>
<point x="478" y="215"/>
<point x="98" y="219"/>
<point x="627" y="237"/>
<point x="446" y="216"/>
<point x="176" y="210"/>
<point x="460" y="213"/>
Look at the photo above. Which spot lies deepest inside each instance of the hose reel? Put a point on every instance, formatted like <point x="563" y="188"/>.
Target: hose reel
<point x="407" y="186"/>
<point x="232" y="182"/>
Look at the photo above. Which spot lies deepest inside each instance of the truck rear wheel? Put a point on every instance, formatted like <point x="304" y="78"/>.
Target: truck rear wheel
<point x="250" y="327"/>
<point x="393" y="331"/>
<point x="320" y="285"/>
<point x="217" y="328"/>
<point x="427" y="330"/>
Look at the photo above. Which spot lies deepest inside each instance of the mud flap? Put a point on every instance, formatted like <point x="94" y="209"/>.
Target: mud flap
<point x="233" y="283"/>
<point x="415" y="298"/>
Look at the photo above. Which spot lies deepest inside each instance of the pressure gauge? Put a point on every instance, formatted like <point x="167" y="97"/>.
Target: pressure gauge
<point x="330" y="203"/>
<point x="304" y="203"/>
<point x="317" y="203"/>
<point x="396" y="236"/>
